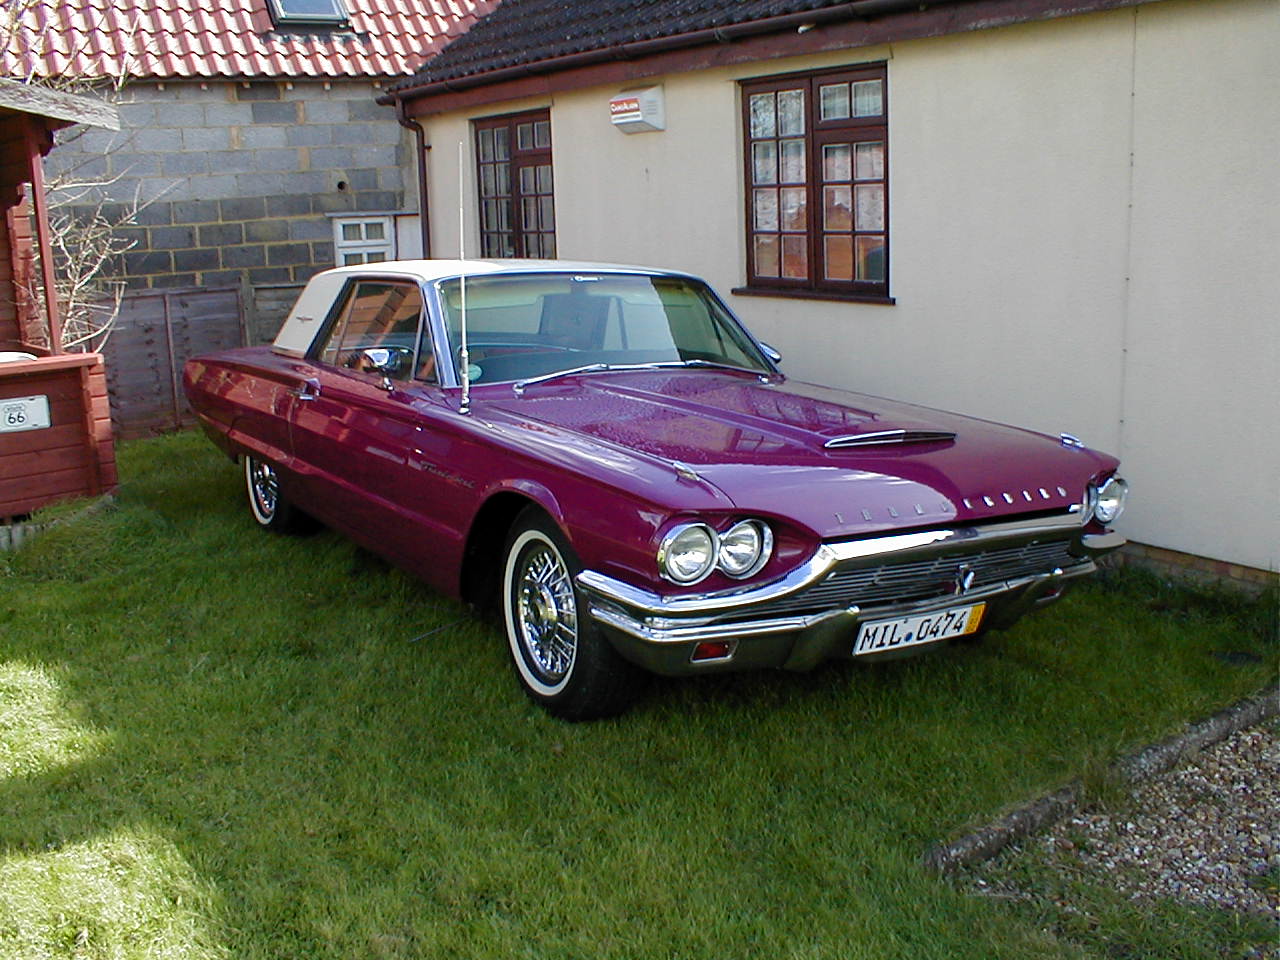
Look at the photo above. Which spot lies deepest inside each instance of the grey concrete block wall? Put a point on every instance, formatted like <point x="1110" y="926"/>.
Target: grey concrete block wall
<point x="243" y="178"/>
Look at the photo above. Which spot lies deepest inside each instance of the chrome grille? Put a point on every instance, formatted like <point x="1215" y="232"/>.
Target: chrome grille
<point x="903" y="582"/>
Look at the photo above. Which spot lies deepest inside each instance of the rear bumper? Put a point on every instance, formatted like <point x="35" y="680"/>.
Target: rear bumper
<point x="802" y="619"/>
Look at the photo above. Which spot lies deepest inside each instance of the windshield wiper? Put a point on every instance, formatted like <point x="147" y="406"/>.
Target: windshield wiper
<point x="711" y="364"/>
<point x="519" y="385"/>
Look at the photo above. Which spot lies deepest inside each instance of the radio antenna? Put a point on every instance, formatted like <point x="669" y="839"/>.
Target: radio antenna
<point x="464" y="356"/>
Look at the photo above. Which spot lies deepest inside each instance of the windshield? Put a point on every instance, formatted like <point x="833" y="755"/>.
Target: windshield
<point x="532" y="325"/>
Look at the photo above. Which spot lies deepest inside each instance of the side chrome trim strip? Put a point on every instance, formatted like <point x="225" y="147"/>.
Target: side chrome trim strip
<point x="827" y="556"/>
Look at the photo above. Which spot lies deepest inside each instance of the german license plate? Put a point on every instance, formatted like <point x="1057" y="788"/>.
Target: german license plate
<point x="880" y="635"/>
<point x="24" y="413"/>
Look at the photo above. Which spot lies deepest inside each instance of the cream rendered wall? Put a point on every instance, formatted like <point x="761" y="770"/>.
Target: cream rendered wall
<point x="1202" y="391"/>
<point x="1012" y="241"/>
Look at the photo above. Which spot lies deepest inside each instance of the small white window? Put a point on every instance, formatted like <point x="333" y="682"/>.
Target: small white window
<point x="363" y="240"/>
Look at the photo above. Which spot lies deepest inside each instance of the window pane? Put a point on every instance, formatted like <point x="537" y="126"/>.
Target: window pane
<point x="549" y="245"/>
<point x="350" y="258"/>
<point x="870" y="197"/>
<point x="793" y="209"/>
<point x="766" y="256"/>
<point x="766" y="207"/>
<point x="489" y="215"/>
<point x="871" y="259"/>
<point x="546" y="213"/>
<point x="486" y="145"/>
<point x="868" y="98"/>
<point x="871" y="160"/>
<point x="504" y="214"/>
<point x="790" y="112"/>
<point x="374" y="230"/>
<point x="524" y="136"/>
<point x="501" y="144"/>
<point x="529" y="220"/>
<point x="835" y="162"/>
<point x="835" y="101"/>
<point x="528" y="181"/>
<point x="764" y="162"/>
<point x="503" y="174"/>
<point x="351" y="231"/>
<point x="544" y="178"/>
<point x="795" y="258"/>
<point x="838" y="257"/>
<point x="763" y="122"/>
<point x="837" y="208"/>
<point x="792" y="161"/>
<point x="542" y="134"/>
<point x="488" y="183"/>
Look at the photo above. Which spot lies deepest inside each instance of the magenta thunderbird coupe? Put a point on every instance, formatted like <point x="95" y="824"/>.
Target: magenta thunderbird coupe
<point x="608" y="460"/>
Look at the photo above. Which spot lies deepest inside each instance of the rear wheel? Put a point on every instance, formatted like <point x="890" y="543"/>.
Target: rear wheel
<point x="267" y="504"/>
<point x="563" y="661"/>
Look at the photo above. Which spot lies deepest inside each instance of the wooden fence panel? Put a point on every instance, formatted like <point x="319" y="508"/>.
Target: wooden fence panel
<point x="156" y="332"/>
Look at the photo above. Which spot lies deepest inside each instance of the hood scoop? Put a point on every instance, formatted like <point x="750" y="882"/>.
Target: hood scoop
<point x="882" y="438"/>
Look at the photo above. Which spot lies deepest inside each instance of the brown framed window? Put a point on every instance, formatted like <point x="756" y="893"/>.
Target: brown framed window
<point x="817" y="203"/>
<point x="517" y="202"/>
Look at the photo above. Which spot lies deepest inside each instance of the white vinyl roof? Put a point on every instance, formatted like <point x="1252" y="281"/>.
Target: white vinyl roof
<point x="313" y="304"/>
<point x="430" y="270"/>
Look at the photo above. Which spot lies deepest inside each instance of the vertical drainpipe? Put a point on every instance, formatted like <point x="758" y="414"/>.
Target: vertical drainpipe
<point x="424" y="205"/>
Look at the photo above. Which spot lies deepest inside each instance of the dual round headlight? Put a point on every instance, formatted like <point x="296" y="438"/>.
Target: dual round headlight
<point x="692" y="550"/>
<point x="1110" y="498"/>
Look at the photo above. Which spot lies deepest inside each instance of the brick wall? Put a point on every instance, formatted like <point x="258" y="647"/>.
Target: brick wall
<point x="242" y="177"/>
<point x="1189" y="566"/>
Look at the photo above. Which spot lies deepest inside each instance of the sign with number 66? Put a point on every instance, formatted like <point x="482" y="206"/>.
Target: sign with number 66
<point x="23" y="413"/>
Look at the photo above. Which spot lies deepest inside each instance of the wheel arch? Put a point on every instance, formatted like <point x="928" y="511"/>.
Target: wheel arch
<point x="487" y="536"/>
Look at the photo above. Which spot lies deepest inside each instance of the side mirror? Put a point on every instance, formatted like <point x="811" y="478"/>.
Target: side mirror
<point x="388" y="361"/>
<point x="771" y="353"/>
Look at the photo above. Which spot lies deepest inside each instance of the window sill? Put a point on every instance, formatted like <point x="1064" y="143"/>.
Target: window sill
<point x="813" y="295"/>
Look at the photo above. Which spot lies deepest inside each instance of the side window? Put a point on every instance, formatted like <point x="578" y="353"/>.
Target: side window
<point x="377" y="314"/>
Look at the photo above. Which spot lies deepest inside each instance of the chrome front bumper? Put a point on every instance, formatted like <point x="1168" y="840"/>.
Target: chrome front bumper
<point x="768" y="625"/>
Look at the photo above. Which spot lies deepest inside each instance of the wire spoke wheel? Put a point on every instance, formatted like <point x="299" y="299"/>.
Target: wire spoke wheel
<point x="269" y="505"/>
<point x="264" y="488"/>
<point x="563" y="661"/>
<point x="548" y="613"/>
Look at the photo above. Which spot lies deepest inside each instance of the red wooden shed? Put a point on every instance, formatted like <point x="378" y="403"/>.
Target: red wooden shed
<point x="55" y="424"/>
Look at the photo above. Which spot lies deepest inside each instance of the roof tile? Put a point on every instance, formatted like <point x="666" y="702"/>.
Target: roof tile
<point x="528" y="31"/>
<point x="171" y="39"/>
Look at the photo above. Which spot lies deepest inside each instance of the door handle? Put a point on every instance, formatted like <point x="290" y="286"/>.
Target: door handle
<point x="308" y="389"/>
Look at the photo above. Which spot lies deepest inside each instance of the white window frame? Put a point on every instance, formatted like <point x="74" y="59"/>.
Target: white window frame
<point x="363" y="250"/>
<point x="282" y="14"/>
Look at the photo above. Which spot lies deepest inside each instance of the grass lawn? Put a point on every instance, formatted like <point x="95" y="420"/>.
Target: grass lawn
<point x="216" y="742"/>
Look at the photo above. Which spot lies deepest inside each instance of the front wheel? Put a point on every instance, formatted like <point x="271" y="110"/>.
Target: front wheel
<point x="560" y="656"/>
<point x="267" y="504"/>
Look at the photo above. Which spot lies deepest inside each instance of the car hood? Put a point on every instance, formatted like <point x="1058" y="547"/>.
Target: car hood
<point x="829" y="459"/>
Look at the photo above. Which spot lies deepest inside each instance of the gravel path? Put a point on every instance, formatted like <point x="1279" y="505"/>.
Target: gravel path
<point x="1206" y="832"/>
